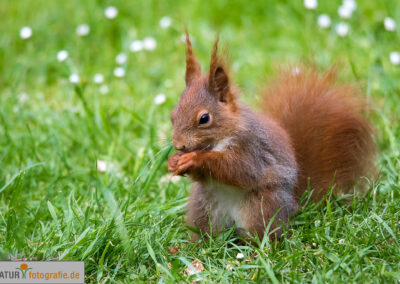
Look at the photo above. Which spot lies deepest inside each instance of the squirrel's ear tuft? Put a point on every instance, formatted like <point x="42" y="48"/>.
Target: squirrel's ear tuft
<point x="193" y="69"/>
<point x="219" y="81"/>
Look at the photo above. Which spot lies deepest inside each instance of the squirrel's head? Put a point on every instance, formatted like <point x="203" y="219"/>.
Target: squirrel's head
<point x="207" y="110"/>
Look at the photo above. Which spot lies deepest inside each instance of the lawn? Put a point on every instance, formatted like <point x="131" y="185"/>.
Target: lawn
<point x="83" y="157"/>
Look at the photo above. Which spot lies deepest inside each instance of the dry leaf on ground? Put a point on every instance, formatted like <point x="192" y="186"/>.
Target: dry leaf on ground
<point x="198" y="266"/>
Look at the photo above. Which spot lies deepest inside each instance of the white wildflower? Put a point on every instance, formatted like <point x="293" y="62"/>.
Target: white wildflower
<point x="111" y="12"/>
<point x="149" y="43"/>
<point x="310" y="4"/>
<point x="25" y="32"/>
<point x="98" y="78"/>
<point x="390" y="24"/>
<point x="104" y="89"/>
<point x="121" y="58"/>
<point x="15" y="109"/>
<point x="324" y="21"/>
<point x="160" y="99"/>
<point x="136" y="45"/>
<point x="395" y="57"/>
<point x="345" y="12"/>
<point x="347" y="8"/>
<point x="165" y="22"/>
<point x="101" y="166"/>
<point x="240" y="255"/>
<point x="341" y="241"/>
<point x="119" y="72"/>
<point x="83" y="30"/>
<point x="74" y="78"/>
<point x="62" y="55"/>
<point x="350" y="4"/>
<point x="342" y="29"/>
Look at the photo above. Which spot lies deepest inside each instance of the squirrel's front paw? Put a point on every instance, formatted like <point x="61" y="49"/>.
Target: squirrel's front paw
<point x="173" y="162"/>
<point x="186" y="163"/>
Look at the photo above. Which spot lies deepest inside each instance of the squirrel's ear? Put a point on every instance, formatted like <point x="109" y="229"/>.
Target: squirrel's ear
<point x="219" y="81"/>
<point x="193" y="69"/>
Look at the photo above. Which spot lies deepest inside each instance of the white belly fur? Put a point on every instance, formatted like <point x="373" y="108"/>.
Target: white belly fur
<point x="227" y="205"/>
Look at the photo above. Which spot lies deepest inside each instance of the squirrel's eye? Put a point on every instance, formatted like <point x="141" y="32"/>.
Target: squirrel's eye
<point x="204" y="118"/>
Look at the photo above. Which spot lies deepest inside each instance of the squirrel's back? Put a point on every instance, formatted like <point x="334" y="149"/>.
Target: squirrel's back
<point x="332" y="139"/>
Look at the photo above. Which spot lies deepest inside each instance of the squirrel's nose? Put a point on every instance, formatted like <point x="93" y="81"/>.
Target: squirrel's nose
<point x="178" y="145"/>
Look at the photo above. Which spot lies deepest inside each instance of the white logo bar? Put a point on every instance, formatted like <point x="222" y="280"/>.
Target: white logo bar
<point x="42" y="272"/>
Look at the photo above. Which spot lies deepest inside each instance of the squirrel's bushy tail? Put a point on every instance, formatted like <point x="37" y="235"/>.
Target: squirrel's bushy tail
<point x="332" y="138"/>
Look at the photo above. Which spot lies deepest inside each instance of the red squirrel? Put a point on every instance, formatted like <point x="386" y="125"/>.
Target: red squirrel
<point x="247" y="167"/>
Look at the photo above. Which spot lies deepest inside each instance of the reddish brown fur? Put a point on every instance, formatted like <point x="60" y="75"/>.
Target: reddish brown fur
<point x="251" y="167"/>
<point x="193" y="69"/>
<point x="331" y="137"/>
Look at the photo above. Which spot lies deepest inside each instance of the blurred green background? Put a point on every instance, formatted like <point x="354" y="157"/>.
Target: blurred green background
<point x="83" y="161"/>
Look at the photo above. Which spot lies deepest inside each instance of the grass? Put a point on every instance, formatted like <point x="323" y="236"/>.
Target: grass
<point x="123" y="223"/>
